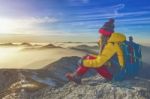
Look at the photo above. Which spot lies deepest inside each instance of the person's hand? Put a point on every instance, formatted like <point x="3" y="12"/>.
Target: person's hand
<point x="80" y="62"/>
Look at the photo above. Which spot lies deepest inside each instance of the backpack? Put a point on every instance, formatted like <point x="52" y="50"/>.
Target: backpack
<point x="132" y="59"/>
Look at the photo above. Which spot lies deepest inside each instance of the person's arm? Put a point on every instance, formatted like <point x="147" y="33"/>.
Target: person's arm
<point x="106" y="54"/>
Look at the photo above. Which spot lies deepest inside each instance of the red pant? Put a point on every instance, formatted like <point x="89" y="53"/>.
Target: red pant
<point x="103" y="71"/>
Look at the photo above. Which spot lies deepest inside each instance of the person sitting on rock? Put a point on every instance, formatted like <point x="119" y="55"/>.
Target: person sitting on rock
<point x="108" y="48"/>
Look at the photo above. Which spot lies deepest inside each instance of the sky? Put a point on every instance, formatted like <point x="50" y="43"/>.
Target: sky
<point x="71" y="20"/>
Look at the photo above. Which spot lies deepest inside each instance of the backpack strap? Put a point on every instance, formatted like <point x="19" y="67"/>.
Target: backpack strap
<point x="132" y="54"/>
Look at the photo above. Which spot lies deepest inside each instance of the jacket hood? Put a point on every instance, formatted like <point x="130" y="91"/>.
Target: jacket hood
<point x="117" y="37"/>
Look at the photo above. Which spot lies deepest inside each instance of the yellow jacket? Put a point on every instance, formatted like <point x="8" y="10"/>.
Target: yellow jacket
<point x="111" y="48"/>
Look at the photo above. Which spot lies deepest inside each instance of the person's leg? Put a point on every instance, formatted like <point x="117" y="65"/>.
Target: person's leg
<point x="103" y="71"/>
<point x="81" y="70"/>
<point x="76" y="76"/>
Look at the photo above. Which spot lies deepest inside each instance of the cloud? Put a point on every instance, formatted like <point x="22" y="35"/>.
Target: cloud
<point x="114" y="14"/>
<point x="135" y="21"/>
<point x="107" y="12"/>
<point x="23" y="25"/>
<point x="93" y="9"/>
<point x="96" y="15"/>
<point x="38" y="20"/>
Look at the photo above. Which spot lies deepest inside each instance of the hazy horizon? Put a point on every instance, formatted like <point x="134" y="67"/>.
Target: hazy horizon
<point x="11" y="38"/>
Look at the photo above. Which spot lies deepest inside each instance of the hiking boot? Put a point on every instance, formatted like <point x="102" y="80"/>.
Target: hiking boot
<point x="73" y="77"/>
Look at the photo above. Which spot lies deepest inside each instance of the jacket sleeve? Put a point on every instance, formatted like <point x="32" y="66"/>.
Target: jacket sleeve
<point x="106" y="54"/>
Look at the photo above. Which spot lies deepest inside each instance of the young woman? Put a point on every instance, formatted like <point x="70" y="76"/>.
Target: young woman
<point x="105" y="53"/>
